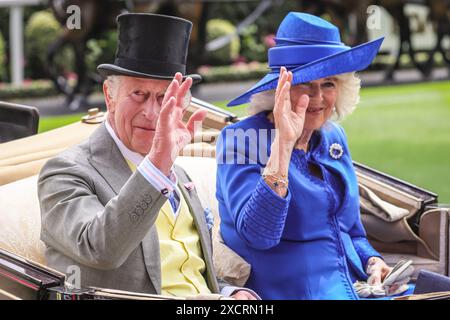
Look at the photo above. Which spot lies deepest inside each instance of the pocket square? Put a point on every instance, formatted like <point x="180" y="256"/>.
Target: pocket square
<point x="209" y="218"/>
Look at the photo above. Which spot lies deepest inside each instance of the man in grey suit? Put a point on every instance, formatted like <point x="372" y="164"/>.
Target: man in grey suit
<point x="102" y="200"/>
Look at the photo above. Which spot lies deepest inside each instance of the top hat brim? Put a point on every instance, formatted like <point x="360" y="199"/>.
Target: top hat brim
<point x="353" y="59"/>
<point x="107" y="69"/>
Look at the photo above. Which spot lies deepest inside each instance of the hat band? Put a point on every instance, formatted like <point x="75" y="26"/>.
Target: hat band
<point x="301" y="54"/>
<point x="159" y="68"/>
<point x="289" y="41"/>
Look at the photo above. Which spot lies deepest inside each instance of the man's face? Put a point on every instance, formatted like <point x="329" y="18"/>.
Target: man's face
<point x="134" y="109"/>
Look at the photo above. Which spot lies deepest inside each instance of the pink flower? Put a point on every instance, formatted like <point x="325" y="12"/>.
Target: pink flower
<point x="269" y="40"/>
<point x="239" y="60"/>
<point x="71" y="76"/>
<point x="204" y="69"/>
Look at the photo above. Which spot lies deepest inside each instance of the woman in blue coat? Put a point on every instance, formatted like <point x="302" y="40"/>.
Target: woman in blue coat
<point x="286" y="186"/>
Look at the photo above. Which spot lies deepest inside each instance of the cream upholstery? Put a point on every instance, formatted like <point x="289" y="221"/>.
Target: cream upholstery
<point x="202" y="172"/>
<point x="25" y="157"/>
<point x="20" y="219"/>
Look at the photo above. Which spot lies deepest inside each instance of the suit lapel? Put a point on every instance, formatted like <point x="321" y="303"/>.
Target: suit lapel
<point x="107" y="159"/>
<point x="342" y="167"/>
<point x="198" y="215"/>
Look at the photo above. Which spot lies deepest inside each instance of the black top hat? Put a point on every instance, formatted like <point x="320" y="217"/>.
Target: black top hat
<point x="150" y="46"/>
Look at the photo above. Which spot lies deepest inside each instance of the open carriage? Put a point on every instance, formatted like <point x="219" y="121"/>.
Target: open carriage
<point x="403" y="221"/>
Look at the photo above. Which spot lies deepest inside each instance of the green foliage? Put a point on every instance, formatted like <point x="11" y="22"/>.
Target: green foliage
<point x="2" y="58"/>
<point x="50" y="123"/>
<point x="238" y="72"/>
<point x="101" y="50"/>
<point x="217" y="28"/>
<point x="38" y="88"/>
<point x="41" y="30"/>
<point x="252" y="46"/>
<point x="4" y="29"/>
<point x="405" y="131"/>
<point x="43" y="88"/>
<point x="236" y="12"/>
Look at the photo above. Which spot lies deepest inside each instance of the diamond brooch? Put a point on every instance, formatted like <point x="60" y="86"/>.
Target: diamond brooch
<point x="336" y="151"/>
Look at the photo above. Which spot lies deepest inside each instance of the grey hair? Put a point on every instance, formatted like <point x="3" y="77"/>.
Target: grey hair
<point x="113" y="83"/>
<point x="347" y="99"/>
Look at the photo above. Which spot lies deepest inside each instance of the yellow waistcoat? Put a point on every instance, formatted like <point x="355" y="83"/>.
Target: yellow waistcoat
<point x="182" y="264"/>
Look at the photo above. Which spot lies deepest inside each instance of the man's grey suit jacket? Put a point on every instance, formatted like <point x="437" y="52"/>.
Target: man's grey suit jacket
<point x="99" y="216"/>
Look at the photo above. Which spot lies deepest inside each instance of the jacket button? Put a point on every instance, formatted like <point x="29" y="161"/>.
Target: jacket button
<point x="144" y="204"/>
<point x="134" y="217"/>
<point x="139" y="211"/>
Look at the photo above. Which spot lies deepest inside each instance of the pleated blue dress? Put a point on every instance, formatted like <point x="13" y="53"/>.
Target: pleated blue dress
<point x="309" y="245"/>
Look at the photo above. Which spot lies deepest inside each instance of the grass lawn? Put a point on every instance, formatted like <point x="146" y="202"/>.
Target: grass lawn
<point x="401" y="130"/>
<point x="49" y="123"/>
<point x="405" y="131"/>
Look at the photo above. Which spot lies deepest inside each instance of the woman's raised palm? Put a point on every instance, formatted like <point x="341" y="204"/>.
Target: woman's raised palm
<point x="288" y="120"/>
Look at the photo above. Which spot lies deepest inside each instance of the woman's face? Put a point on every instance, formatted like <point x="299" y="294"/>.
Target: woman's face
<point x="322" y="98"/>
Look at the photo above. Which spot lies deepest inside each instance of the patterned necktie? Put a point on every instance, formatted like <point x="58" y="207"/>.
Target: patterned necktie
<point x="174" y="201"/>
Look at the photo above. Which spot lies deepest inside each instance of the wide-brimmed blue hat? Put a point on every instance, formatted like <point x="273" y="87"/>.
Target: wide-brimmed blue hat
<point x="311" y="48"/>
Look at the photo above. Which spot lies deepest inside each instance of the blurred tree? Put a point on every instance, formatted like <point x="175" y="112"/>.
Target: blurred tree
<point x="40" y="31"/>
<point x="252" y="46"/>
<point x="101" y="50"/>
<point x="4" y="29"/>
<point x="2" y="58"/>
<point x="216" y="28"/>
<point x="267" y="23"/>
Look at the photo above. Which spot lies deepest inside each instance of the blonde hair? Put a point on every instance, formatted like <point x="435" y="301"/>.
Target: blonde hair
<point x="347" y="99"/>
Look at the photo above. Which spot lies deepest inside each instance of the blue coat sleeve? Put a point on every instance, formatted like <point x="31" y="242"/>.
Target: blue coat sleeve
<point x="357" y="233"/>
<point x="362" y="246"/>
<point x="258" y="213"/>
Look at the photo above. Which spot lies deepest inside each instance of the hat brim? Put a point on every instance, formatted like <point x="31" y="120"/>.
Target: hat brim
<point x="107" y="69"/>
<point x="353" y="59"/>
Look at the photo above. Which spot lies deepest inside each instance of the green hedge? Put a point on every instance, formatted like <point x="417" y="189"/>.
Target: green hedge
<point x="237" y="72"/>
<point x="252" y="45"/>
<point x="101" y="50"/>
<point x="37" y="88"/>
<point x="41" y="30"/>
<point x="43" y="88"/>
